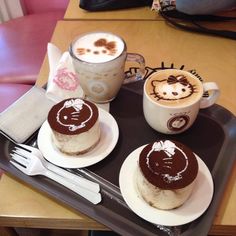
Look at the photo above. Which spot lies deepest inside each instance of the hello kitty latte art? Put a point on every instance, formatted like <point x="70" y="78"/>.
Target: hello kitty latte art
<point x="173" y="88"/>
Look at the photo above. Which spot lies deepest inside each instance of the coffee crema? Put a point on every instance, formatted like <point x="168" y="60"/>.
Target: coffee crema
<point x="173" y="88"/>
<point x="98" y="47"/>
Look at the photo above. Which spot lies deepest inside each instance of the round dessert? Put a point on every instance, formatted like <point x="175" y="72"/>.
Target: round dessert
<point x="166" y="174"/>
<point x="75" y="125"/>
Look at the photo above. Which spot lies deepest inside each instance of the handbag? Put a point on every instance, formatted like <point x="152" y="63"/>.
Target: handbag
<point x="106" y="5"/>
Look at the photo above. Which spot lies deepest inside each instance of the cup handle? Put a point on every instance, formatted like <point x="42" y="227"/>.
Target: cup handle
<point x="214" y="93"/>
<point x="138" y="75"/>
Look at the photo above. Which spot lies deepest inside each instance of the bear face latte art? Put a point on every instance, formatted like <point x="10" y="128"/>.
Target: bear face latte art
<point x="172" y="98"/>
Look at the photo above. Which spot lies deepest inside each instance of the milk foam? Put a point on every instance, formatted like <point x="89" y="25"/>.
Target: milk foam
<point x="98" y="47"/>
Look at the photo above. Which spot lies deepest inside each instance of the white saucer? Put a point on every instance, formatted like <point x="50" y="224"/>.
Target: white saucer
<point x="194" y="207"/>
<point x="108" y="140"/>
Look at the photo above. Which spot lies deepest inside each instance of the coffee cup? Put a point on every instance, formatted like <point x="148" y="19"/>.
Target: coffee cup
<point x="99" y="60"/>
<point x="172" y="99"/>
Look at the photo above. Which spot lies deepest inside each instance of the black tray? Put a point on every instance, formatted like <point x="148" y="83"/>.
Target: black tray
<point x="212" y="137"/>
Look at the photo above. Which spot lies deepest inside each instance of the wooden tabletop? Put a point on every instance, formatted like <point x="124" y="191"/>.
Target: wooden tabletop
<point x="74" y="12"/>
<point x="214" y="60"/>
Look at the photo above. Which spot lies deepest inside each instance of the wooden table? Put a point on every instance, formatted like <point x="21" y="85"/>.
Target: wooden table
<point x="213" y="58"/>
<point x="74" y="12"/>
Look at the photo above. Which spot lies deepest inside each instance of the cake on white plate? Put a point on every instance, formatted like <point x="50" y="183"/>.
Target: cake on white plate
<point x="75" y="125"/>
<point x="166" y="174"/>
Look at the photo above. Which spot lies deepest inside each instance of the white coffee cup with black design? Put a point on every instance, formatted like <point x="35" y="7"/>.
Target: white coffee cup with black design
<point x="172" y="99"/>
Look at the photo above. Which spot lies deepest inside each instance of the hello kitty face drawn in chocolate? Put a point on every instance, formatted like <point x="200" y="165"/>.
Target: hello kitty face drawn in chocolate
<point x="66" y="79"/>
<point x="97" y="47"/>
<point x="163" y="165"/>
<point x="100" y="46"/>
<point x="173" y="88"/>
<point x="69" y="115"/>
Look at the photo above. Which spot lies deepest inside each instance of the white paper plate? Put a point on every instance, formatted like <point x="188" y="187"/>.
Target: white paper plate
<point x="108" y="140"/>
<point x="194" y="207"/>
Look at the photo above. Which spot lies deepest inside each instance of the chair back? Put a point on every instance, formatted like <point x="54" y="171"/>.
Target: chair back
<point x="40" y="6"/>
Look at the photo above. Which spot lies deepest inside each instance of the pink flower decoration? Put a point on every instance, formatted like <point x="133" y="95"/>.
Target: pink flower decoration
<point x="66" y="80"/>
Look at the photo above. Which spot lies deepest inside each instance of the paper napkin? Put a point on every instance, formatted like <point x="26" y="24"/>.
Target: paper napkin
<point x="63" y="81"/>
<point x="20" y="120"/>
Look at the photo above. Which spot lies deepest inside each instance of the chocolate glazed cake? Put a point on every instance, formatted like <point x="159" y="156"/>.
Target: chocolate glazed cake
<point x="75" y="125"/>
<point x="166" y="174"/>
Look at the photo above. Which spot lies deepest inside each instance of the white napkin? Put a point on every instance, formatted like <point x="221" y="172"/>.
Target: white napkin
<point x="20" y="120"/>
<point x="63" y="82"/>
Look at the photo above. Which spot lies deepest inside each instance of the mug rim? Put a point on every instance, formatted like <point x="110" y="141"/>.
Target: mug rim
<point x="167" y="106"/>
<point x="72" y="54"/>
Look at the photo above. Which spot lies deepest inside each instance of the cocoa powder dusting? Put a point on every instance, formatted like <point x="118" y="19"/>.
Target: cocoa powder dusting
<point x="100" y="42"/>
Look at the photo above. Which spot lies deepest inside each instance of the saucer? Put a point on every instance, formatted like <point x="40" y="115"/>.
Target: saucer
<point x="107" y="142"/>
<point x="193" y="208"/>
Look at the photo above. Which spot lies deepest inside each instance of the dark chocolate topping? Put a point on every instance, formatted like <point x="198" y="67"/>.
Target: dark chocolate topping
<point x="168" y="164"/>
<point x="73" y="116"/>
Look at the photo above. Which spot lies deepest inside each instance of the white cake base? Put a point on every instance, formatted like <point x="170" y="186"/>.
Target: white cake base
<point x="79" y="143"/>
<point x="160" y="198"/>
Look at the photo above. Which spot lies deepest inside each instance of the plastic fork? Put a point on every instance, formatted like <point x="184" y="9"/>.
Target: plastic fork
<point x="27" y="150"/>
<point x="32" y="165"/>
